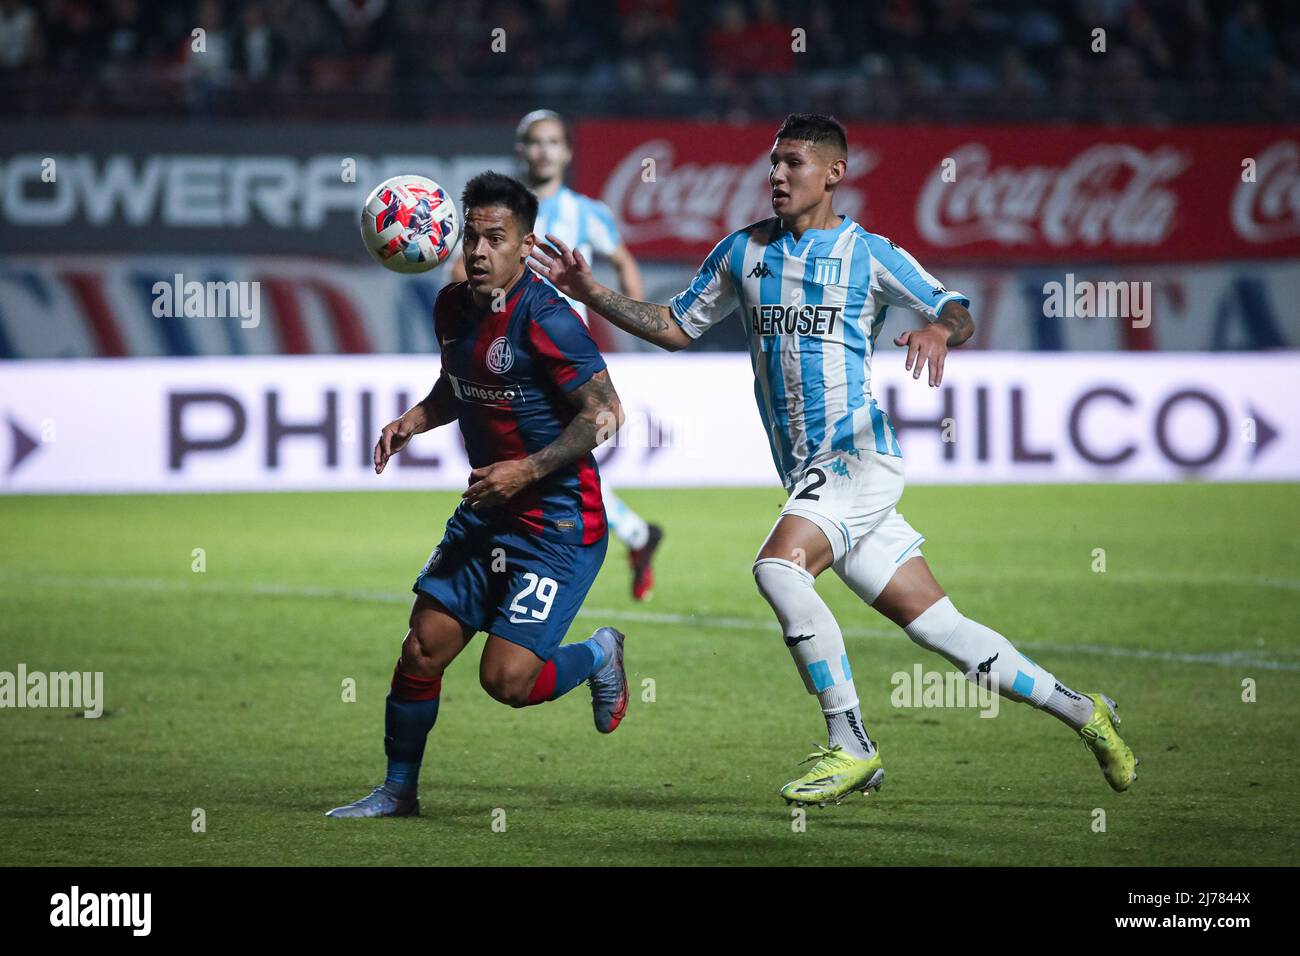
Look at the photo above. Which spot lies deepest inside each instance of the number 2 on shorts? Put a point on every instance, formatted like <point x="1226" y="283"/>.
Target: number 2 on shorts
<point x="818" y="479"/>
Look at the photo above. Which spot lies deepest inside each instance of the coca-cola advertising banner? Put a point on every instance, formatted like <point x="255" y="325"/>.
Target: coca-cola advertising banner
<point x="970" y="194"/>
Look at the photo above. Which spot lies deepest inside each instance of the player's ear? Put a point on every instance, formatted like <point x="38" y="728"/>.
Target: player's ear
<point x="835" y="172"/>
<point x="526" y="247"/>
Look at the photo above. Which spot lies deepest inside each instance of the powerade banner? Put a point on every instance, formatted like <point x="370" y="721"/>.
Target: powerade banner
<point x="310" y="423"/>
<point x="970" y="194"/>
<point x="272" y="188"/>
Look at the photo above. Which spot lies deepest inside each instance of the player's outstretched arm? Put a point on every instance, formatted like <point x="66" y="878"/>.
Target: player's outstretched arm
<point x="569" y="272"/>
<point x="930" y="345"/>
<point x="437" y="408"/>
<point x="600" y="415"/>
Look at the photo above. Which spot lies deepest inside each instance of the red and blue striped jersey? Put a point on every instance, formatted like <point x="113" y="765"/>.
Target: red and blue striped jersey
<point x="510" y="371"/>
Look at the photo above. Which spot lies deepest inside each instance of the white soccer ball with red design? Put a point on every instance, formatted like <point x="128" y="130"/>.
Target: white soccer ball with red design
<point x="410" y="224"/>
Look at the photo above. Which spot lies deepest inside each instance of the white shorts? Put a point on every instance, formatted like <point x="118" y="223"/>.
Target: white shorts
<point x="853" y="501"/>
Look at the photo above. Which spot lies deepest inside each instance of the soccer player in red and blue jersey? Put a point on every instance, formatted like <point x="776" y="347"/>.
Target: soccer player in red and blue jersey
<point x="587" y="225"/>
<point x="525" y="381"/>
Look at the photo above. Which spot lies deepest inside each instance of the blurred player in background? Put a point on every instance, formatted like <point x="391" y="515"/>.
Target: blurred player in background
<point x="812" y="288"/>
<point x="530" y="392"/>
<point x="588" y="225"/>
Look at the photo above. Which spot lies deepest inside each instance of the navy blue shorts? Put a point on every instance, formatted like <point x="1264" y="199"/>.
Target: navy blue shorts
<point x="519" y="586"/>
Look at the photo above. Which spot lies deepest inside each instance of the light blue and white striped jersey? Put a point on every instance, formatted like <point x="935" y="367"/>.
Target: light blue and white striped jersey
<point x="813" y="309"/>
<point x="581" y="223"/>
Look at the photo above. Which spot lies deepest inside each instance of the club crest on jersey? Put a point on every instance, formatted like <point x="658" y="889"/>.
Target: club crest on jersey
<point x="826" y="271"/>
<point x="500" y="356"/>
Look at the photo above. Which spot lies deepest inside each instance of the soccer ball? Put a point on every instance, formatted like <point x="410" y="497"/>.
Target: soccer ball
<point x="409" y="224"/>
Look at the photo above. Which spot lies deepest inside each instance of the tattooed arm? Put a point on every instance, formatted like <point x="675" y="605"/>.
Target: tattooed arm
<point x="929" y="345"/>
<point x="645" y="320"/>
<point x="600" y="414"/>
<point x="955" y="317"/>
<point x="569" y="272"/>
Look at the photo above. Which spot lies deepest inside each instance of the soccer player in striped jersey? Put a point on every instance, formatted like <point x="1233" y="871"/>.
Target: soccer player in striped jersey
<point x="523" y="379"/>
<point x="812" y="288"/>
<point x="587" y="225"/>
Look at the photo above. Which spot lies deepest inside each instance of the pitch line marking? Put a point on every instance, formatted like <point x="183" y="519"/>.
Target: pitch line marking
<point x="1237" y="658"/>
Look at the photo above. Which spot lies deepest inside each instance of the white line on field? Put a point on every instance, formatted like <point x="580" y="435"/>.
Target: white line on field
<point x="760" y="625"/>
<point x="1127" y="577"/>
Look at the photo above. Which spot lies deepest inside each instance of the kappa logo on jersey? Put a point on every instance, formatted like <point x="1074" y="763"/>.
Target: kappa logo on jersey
<point x="481" y="394"/>
<point x="794" y="319"/>
<point x="760" y="271"/>
<point x="500" y="356"/>
<point x="826" y="271"/>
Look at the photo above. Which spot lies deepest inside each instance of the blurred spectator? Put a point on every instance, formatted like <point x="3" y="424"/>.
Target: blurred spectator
<point x="208" y="56"/>
<point x="19" y="39"/>
<point x="728" y="53"/>
<point x="259" y="50"/>
<point x="918" y="60"/>
<point x="768" y="41"/>
<point x="1248" y="46"/>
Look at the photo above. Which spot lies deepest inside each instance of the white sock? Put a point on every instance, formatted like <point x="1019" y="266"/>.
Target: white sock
<point x="817" y="646"/>
<point x="848" y="731"/>
<point x="979" y="650"/>
<point x="628" y="526"/>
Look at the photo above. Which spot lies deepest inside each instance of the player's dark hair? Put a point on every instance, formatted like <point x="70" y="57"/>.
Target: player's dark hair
<point x="495" y="189"/>
<point x="815" y="128"/>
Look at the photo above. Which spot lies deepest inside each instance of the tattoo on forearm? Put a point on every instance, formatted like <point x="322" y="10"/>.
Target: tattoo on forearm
<point x="598" y="409"/>
<point x="957" y="320"/>
<point x="639" y="318"/>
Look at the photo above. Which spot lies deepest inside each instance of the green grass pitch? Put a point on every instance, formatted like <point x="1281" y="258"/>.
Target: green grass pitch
<point x="224" y="689"/>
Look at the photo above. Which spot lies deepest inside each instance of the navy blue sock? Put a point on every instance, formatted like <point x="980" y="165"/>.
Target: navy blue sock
<point x="410" y="712"/>
<point x="568" y="666"/>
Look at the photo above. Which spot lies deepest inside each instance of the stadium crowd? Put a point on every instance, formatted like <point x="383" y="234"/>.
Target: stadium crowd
<point x="931" y="60"/>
